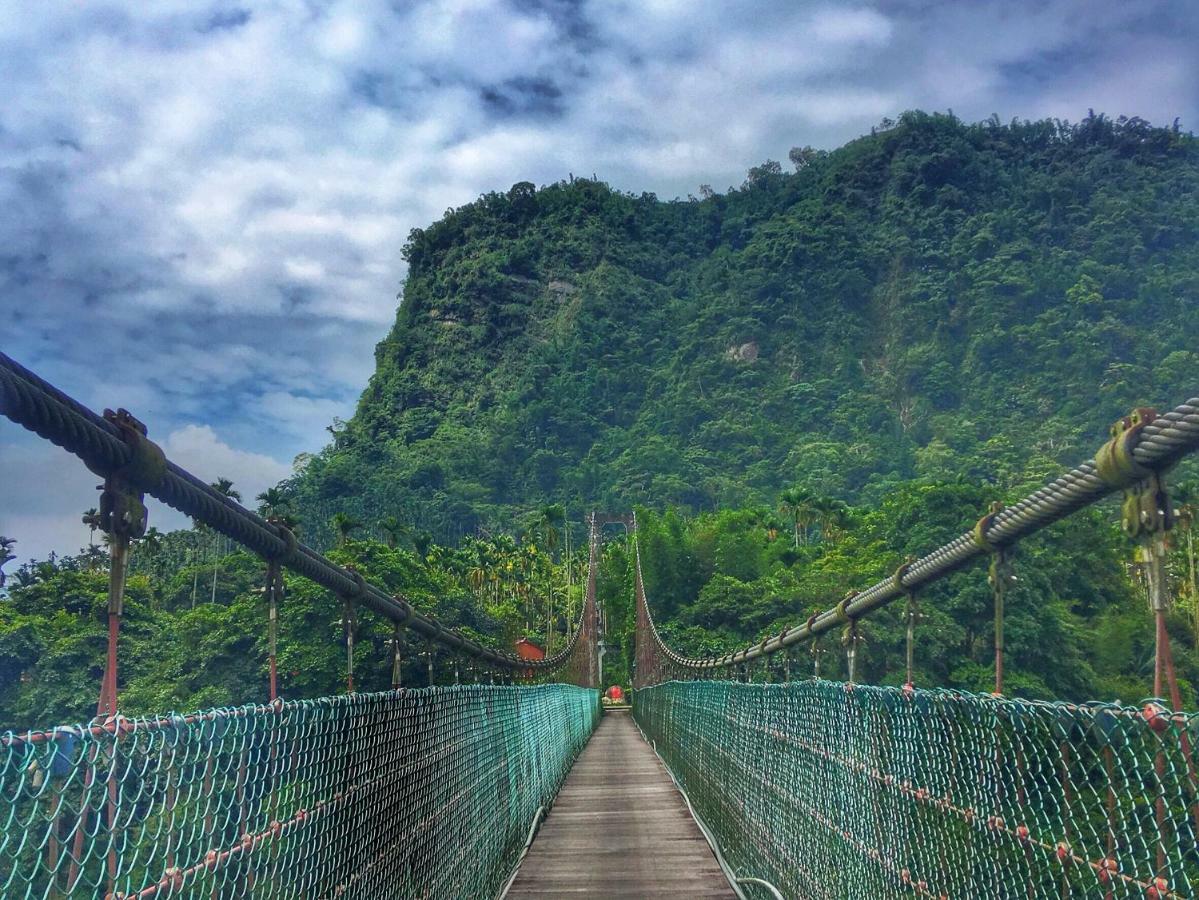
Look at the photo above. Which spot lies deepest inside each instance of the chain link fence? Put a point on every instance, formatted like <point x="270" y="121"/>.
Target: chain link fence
<point x="830" y="790"/>
<point x="411" y="793"/>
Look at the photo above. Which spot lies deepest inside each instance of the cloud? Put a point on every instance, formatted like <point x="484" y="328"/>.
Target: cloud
<point x="45" y="490"/>
<point x="204" y="203"/>
<point x="851" y="26"/>
<point x="43" y="494"/>
<point x="198" y="449"/>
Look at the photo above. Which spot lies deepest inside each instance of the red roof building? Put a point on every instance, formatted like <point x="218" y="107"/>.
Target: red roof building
<point x="526" y="649"/>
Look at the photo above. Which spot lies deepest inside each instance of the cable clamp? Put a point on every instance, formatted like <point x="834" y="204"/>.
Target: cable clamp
<point x="405" y="609"/>
<point x="360" y="585"/>
<point x="123" y="510"/>
<point x="290" y="542"/>
<point x="979" y="533"/>
<point x="1147" y="510"/>
<point x="147" y="465"/>
<point x="1114" y="463"/>
<point x="842" y="609"/>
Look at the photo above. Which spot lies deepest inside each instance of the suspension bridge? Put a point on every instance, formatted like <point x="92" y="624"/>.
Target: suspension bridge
<point x="736" y="776"/>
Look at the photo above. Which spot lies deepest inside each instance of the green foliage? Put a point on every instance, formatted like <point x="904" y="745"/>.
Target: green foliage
<point x="194" y="630"/>
<point x="1076" y="625"/>
<point x="816" y="375"/>
<point x="937" y="299"/>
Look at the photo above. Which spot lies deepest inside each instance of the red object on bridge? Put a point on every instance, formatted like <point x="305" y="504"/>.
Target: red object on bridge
<point x="615" y="693"/>
<point x="526" y="649"/>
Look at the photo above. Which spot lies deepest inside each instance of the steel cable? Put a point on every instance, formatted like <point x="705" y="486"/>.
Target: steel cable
<point x="38" y="406"/>
<point x="1161" y="444"/>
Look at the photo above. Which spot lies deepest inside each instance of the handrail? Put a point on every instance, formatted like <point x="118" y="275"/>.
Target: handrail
<point x="38" y="406"/>
<point x="1144" y="449"/>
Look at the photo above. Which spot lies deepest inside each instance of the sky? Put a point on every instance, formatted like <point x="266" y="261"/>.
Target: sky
<point x="202" y="206"/>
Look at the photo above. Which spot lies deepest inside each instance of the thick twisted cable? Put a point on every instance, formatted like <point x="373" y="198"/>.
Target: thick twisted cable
<point x="1161" y="444"/>
<point x="38" y="406"/>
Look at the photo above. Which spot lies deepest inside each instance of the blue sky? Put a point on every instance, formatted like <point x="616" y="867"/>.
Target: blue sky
<point x="202" y="205"/>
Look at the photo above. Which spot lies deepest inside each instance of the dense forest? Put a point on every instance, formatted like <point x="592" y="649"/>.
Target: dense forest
<point x="194" y="630"/>
<point x="797" y="383"/>
<point x="1078" y="624"/>
<point x="932" y="300"/>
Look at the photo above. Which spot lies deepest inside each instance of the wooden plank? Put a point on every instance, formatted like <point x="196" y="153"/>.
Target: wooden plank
<point x="619" y="829"/>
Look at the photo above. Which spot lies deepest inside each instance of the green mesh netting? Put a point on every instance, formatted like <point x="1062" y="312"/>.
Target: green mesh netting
<point x="876" y="792"/>
<point x="416" y="793"/>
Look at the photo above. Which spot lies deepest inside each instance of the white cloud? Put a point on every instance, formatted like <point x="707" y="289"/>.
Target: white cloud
<point x="43" y="493"/>
<point x="45" y="490"/>
<point x="198" y="449"/>
<point x="851" y="26"/>
<point x="299" y="415"/>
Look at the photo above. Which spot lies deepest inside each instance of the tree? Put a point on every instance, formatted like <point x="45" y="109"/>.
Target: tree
<point x="224" y="487"/>
<point x="832" y="517"/>
<point x="761" y="174"/>
<point x="151" y="541"/>
<point x="272" y="503"/>
<point x="477" y="576"/>
<point x="151" y="544"/>
<point x="550" y="519"/>
<point x="6" y="554"/>
<point x="802" y="157"/>
<point x="394" y="529"/>
<point x="421" y="541"/>
<point x="800" y="504"/>
<point x="91" y="518"/>
<point x="289" y="521"/>
<point x="344" y="526"/>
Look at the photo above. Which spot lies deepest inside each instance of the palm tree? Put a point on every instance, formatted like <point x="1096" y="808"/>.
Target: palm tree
<point x="91" y="518"/>
<point x="224" y="487"/>
<point x="476" y="576"/>
<point x="193" y="556"/>
<point x="798" y="503"/>
<point x="151" y="543"/>
<point x="6" y="554"/>
<point x="551" y="517"/>
<point x="272" y="503"/>
<point x="394" y="529"/>
<point x="832" y="516"/>
<point x="95" y="558"/>
<point x="344" y="526"/>
<point x="421" y="542"/>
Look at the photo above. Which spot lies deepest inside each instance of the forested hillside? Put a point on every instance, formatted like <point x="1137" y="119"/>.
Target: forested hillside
<point x="934" y="299"/>
<point x="798" y="383"/>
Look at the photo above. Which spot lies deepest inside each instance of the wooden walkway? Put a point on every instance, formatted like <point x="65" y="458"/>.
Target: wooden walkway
<point x="619" y="829"/>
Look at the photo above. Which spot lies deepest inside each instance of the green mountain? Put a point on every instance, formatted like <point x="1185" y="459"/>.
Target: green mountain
<point x="934" y="299"/>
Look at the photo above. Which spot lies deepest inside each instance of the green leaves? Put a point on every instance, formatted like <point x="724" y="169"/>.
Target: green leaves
<point x="936" y="299"/>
